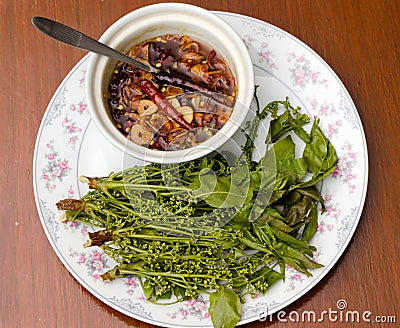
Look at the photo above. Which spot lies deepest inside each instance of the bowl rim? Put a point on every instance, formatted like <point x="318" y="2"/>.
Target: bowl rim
<point x="106" y="125"/>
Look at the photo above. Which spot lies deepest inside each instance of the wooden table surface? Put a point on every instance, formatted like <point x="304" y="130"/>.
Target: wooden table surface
<point x="359" y="39"/>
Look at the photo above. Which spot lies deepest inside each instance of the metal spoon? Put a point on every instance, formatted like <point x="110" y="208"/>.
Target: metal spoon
<point x="77" y="39"/>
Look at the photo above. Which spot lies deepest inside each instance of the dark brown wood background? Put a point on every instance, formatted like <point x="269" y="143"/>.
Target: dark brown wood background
<point x="359" y="39"/>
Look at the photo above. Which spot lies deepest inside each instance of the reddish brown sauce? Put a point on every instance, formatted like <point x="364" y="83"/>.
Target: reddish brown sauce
<point x="187" y="66"/>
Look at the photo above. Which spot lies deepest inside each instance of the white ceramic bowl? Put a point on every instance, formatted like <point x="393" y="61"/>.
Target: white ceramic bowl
<point x="160" y="19"/>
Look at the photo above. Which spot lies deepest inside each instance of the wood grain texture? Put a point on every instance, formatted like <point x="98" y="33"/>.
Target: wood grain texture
<point x="359" y="39"/>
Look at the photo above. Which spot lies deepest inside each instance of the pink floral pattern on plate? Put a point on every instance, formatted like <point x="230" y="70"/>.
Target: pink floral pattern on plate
<point x="72" y="129"/>
<point x="302" y="71"/>
<point x="197" y="309"/>
<point x="80" y="108"/>
<point x="95" y="262"/>
<point x="55" y="169"/>
<point x="265" y="55"/>
<point x="345" y="166"/>
<point x="69" y="145"/>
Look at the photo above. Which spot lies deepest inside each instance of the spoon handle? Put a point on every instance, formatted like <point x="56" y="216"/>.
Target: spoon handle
<point x="72" y="37"/>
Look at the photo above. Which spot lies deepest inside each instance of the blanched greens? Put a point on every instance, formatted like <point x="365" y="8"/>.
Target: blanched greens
<point x="221" y="225"/>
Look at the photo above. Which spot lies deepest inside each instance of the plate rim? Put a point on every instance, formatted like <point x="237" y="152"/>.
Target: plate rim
<point x="338" y="254"/>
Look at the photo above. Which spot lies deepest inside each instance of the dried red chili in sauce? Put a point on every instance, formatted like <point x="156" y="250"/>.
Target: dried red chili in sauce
<point x="187" y="66"/>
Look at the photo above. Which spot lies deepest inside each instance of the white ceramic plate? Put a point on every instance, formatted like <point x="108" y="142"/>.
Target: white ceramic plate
<point x="68" y="145"/>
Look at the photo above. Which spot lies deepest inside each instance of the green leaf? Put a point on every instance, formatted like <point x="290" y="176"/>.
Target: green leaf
<point x="297" y="212"/>
<point x="314" y="179"/>
<point x="301" y="133"/>
<point x="209" y="186"/>
<point x="268" y="275"/>
<point x="241" y="218"/>
<point x="225" y="308"/>
<point x="311" y="192"/>
<point x="300" y="245"/>
<point x="274" y="219"/>
<point x="276" y="196"/>
<point x="165" y="296"/>
<point x="286" y="163"/>
<point x="279" y="125"/>
<point x="311" y="227"/>
<point x="260" y="203"/>
<point x="267" y="183"/>
<point x="255" y="180"/>
<point x="268" y="161"/>
<point x="289" y="120"/>
<point x="284" y="149"/>
<point x="294" y="169"/>
<point x="179" y="292"/>
<point x="148" y="289"/>
<point x="296" y="259"/>
<point x="319" y="153"/>
<point x="223" y="191"/>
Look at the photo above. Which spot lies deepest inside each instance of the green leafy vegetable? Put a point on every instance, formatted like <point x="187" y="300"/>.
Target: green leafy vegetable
<point x="319" y="152"/>
<point x="311" y="226"/>
<point x="222" y="224"/>
<point x="294" y="169"/>
<point x="223" y="191"/>
<point x="225" y="308"/>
